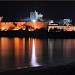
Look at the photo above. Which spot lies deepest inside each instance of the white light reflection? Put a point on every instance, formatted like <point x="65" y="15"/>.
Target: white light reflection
<point x="33" y="56"/>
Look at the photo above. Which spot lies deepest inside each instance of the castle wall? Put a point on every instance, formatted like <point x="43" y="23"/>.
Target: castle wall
<point x="22" y="25"/>
<point x="65" y="28"/>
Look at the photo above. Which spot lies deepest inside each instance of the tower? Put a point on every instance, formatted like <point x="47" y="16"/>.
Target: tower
<point x="35" y="16"/>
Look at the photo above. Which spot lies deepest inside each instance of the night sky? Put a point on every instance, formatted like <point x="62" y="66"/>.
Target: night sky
<point x="16" y="10"/>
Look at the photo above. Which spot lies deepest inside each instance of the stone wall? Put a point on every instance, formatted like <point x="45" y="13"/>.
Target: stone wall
<point x="21" y="25"/>
<point x="65" y="28"/>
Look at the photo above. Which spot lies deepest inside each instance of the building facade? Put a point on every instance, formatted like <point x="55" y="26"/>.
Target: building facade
<point x="35" y="16"/>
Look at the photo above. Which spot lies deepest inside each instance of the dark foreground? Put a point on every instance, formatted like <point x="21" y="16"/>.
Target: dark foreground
<point x="66" y="69"/>
<point x="38" y="34"/>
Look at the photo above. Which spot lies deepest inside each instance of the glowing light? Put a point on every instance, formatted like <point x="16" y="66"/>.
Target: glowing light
<point x="34" y="20"/>
<point x="33" y="56"/>
<point x="52" y="21"/>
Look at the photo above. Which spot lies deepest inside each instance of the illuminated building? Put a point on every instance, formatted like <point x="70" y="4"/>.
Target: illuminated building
<point x="35" y="16"/>
<point x="63" y="25"/>
<point x="58" y="28"/>
<point x="35" y="22"/>
<point x="4" y="26"/>
<point x="65" y="22"/>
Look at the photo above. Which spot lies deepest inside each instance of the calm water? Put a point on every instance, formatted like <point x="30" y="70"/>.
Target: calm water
<point x="32" y="52"/>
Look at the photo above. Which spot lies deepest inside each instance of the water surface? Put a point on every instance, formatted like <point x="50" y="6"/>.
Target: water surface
<point x="32" y="52"/>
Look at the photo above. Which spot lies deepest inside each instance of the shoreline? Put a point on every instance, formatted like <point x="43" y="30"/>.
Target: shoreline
<point x="43" y="70"/>
<point x="38" y="34"/>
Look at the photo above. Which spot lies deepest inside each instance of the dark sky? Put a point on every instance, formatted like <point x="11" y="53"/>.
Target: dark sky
<point x="16" y="10"/>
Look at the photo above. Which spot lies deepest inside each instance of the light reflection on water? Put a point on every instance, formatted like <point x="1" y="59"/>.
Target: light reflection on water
<point x="33" y="56"/>
<point x="32" y="52"/>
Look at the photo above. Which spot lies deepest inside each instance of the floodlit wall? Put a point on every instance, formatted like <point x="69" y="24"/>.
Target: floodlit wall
<point x="21" y="25"/>
<point x="6" y="25"/>
<point x="65" y="28"/>
<point x="37" y="25"/>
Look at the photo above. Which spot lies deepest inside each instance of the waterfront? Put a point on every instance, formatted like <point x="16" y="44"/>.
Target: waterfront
<point x="33" y="52"/>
